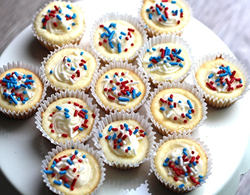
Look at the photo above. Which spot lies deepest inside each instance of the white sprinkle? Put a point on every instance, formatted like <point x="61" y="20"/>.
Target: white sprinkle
<point x="169" y="173"/>
<point x="186" y="163"/>
<point x="50" y="118"/>
<point x="134" y="83"/>
<point x="169" y="114"/>
<point x="168" y="65"/>
<point x="126" y="74"/>
<point x="185" y="179"/>
<point x="134" y="151"/>
<point x="70" y="177"/>
<point x="65" y="159"/>
<point x="105" y="79"/>
<point x="139" y="138"/>
<point x="181" y="161"/>
<point x="165" y="68"/>
<point x="74" y="134"/>
<point x="75" y="161"/>
<point x="193" y="170"/>
<point x="71" y="80"/>
<point x="124" y="142"/>
<point x="146" y="61"/>
<point x="184" y="169"/>
<point x="154" y="69"/>
<point x="80" y="170"/>
<point x="56" y="169"/>
<point x="129" y="138"/>
<point x="123" y="103"/>
<point x="59" y="163"/>
<point x="59" y="135"/>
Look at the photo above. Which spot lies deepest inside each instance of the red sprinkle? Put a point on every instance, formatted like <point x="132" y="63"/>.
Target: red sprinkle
<point x="65" y="135"/>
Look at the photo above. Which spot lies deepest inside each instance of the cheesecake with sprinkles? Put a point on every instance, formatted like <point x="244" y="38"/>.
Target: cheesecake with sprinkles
<point x="176" y="110"/>
<point x="73" y="172"/>
<point x="124" y="142"/>
<point x="120" y="88"/>
<point x="222" y="80"/>
<point x="165" y="16"/>
<point x="181" y="164"/>
<point x="166" y="62"/>
<point x="68" y="119"/>
<point x="117" y="39"/>
<point x="59" y="23"/>
<point x="70" y="68"/>
<point x="21" y="89"/>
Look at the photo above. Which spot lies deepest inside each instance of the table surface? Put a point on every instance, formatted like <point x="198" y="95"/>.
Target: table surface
<point x="225" y="18"/>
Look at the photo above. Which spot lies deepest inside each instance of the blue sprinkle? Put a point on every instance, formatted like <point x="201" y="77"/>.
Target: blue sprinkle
<point x="186" y="174"/>
<point x="138" y="94"/>
<point x="120" y="37"/>
<point x="189" y="116"/>
<point x="158" y="11"/>
<point x="80" y="129"/>
<point x="67" y="15"/>
<point x="164" y="18"/>
<point x="182" y="185"/>
<point x="60" y="11"/>
<point x="240" y="80"/>
<point x="170" y="99"/>
<point x="68" y="6"/>
<point x="67" y="116"/>
<point x="176" y="12"/>
<point x="173" y="2"/>
<point x="165" y="61"/>
<point x="109" y="137"/>
<point x="73" y="24"/>
<point x="210" y="76"/>
<point x="167" y="159"/>
<point x="70" y="162"/>
<point x="123" y="33"/>
<point x="86" y="111"/>
<point x="150" y="16"/>
<point x="223" y="84"/>
<point x="123" y="99"/>
<point x="173" y="63"/>
<point x="111" y="36"/>
<point x="66" y="185"/>
<point x="148" y="50"/>
<point x="76" y="152"/>
<point x="217" y="80"/>
<point x="148" y="10"/>
<point x="189" y="111"/>
<point x="114" y="136"/>
<point x="100" y="135"/>
<point x="200" y="180"/>
<point x="81" y="53"/>
<point x="111" y="44"/>
<point x="119" y="141"/>
<point x="119" y="47"/>
<point x="176" y="162"/>
<point x="200" y="176"/>
<point x="107" y="29"/>
<point x="179" y="51"/>
<point x="129" y="148"/>
<point x="114" y="88"/>
<point x="190" y="104"/>
<point x="194" y="163"/>
<point x="44" y="27"/>
<point x="133" y="93"/>
<point x="181" y="58"/>
<point x="135" y="131"/>
<point x="58" y="17"/>
<point x="165" y="164"/>
<point x="57" y="182"/>
<point x="66" y="109"/>
<point x="171" y="106"/>
<point x="62" y="172"/>
<point x="29" y="86"/>
<point x="84" y="156"/>
<point x="52" y="166"/>
<point x="127" y="92"/>
<point x="86" y="116"/>
<point x="223" y="74"/>
<point x="218" y="84"/>
<point x="181" y="10"/>
<point x="162" y="108"/>
<point x="110" y="128"/>
<point x="24" y="92"/>
<point x="74" y="16"/>
<point x="85" y="67"/>
<point x="190" y="165"/>
<point x="58" y="108"/>
<point x="22" y="85"/>
<point x="154" y="49"/>
<point x="118" y="147"/>
<point x="48" y="171"/>
<point x="181" y="65"/>
<point x="106" y="76"/>
<point x="150" y="65"/>
<point x="51" y="71"/>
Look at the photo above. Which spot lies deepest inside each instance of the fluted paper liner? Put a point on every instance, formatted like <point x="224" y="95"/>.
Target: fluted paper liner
<point x="70" y="145"/>
<point x="36" y="70"/>
<point x="160" y="40"/>
<point x="152" y="32"/>
<point x="51" y="46"/>
<point x="116" y="116"/>
<point x="215" y="101"/>
<point x="85" y="48"/>
<point x="163" y="130"/>
<point x="123" y="65"/>
<point x="65" y="94"/>
<point x="181" y="136"/>
<point x="116" y="16"/>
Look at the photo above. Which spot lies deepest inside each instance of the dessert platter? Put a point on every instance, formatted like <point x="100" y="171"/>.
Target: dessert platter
<point x="220" y="140"/>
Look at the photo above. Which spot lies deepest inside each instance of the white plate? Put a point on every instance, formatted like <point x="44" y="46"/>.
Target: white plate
<point x="22" y="147"/>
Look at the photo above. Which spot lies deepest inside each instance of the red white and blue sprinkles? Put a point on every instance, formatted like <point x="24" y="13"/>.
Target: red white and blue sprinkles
<point x="164" y="60"/>
<point x="124" y="139"/>
<point x="185" y="165"/>
<point x="116" y="37"/>
<point x="166" y="13"/>
<point x="67" y="120"/>
<point x="121" y="88"/>
<point x="70" y="171"/>
<point x="17" y="88"/>
<point x="59" y="20"/>
<point x="70" y="69"/>
<point x="177" y="108"/>
<point x="222" y="79"/>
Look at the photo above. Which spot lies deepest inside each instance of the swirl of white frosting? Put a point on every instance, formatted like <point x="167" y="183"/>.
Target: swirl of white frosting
<point x="63" y="25"/>
<point x="63" y="70"/>
<point x="82" y="168"/>
<point x="182" y="107"/>
<point x="178" y="152"/>
<point x="26" y="92"/>
<point x="63" y="125"/>
<point x="131" y="141"/>
<point x="118" y="38"/>
<point x="115" y="93"/>
<point x="172" y="19"/>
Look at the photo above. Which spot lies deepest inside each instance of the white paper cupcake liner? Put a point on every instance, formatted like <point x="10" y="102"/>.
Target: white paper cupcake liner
<point x="70" y="145"/>
<point x="166" y="39"/>
<point x="116" y="116"/>
<point x="65" y="94"/>
<point x="124" y="65"/>
<point x="152" y="32"/>
<point x="116" y="16"/>
<point x="36" y="70"/>
<point x="85" y="48"/>
<point x="167" y="184"/>
<point x="48" y="45"/>
<point x="215" y="101"/>
<point x="163" y="130"/>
